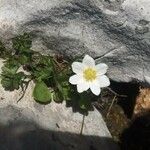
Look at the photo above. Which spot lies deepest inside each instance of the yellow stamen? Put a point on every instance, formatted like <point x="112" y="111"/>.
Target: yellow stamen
<point x="89" y="74"/>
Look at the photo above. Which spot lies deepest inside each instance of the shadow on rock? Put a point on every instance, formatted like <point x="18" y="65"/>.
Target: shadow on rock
<point x="137" y="136"/>
<point x="131" y="90"/>
<point x="28" y="136"/>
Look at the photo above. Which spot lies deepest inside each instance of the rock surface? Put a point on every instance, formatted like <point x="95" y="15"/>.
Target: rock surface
<point x="113" y="31"/>
<point x="27" y="125"/>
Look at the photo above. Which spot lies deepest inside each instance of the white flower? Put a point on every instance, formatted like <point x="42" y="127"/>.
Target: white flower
<point x="88" y="75"/>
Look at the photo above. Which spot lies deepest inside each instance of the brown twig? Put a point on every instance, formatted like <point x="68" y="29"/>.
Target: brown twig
<point x="57" y="63"/>
<point x="116" y="94"/>
<point x="111" y="106"/>
<point x="24" y="91"/>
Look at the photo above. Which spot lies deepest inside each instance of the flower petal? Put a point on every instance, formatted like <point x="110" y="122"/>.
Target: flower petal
<point x="103" y="81"/>
<point x="77" y="67"/>
<point x="95" y="88"/>
<point x="84" y="86"/>
<point x="88" y="61"/>
<point x="101" y="68"/>
<point x="75" y="79"/>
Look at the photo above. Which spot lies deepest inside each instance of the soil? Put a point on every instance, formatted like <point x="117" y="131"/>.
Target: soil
<point x="127" y="118"/>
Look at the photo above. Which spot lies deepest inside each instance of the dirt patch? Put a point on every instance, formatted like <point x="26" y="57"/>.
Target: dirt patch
<point x="142" y="102"/>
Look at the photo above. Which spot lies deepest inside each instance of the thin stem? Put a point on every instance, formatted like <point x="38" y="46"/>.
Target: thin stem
<point x="111" y="106"/>
<point x="116" y="94"/>
<point x="24" y="91"/>
<point x="82" y="125"/>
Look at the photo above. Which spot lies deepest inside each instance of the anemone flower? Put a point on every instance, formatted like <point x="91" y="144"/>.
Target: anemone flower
<point x="88" y="75"/>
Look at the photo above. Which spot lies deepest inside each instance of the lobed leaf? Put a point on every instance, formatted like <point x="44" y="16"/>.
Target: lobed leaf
<point x="22" y="43"/>
<point x="12" y="81"/>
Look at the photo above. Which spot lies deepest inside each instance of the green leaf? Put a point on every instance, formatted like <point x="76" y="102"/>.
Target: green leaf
<point x="58" y="98"/>
<point x="12" y="81"/>
<point x="46" y="60"/>
<point x="8" y="71"/>
<point x="62" y="84"/>
<point x="41" y="93"/>
<point x="42" y="73"/>
<point x="22" y="43"/>
<point x="3" y="51"/>
<point x="42" y="68"/>
<point x="23" y="59"/>
<point x="67" y="93"/>
<point x="9" y="84"/>
<point x="11" y="66"/>
<point x="62" y="93"/>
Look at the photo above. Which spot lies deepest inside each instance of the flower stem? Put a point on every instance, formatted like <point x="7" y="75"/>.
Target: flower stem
<point x="82" y="125"/>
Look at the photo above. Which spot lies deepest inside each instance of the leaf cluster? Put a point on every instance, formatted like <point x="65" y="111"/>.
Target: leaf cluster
<point x="50" y="75"/>
<point x="10" y="78"/>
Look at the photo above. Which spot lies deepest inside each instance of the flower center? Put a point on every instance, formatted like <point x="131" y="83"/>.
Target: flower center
<point x="89" y="74"/>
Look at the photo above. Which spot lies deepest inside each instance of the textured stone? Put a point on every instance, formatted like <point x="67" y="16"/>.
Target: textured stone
<point x="56" y="127"/>
<point x="52" y="125"/>
<point x="113" y="31"/>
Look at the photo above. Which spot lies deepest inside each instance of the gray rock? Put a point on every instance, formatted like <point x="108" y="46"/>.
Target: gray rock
<point x="20" y="132"/>
<point x="113" y="31"/>
<point x="28" y="125"/>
